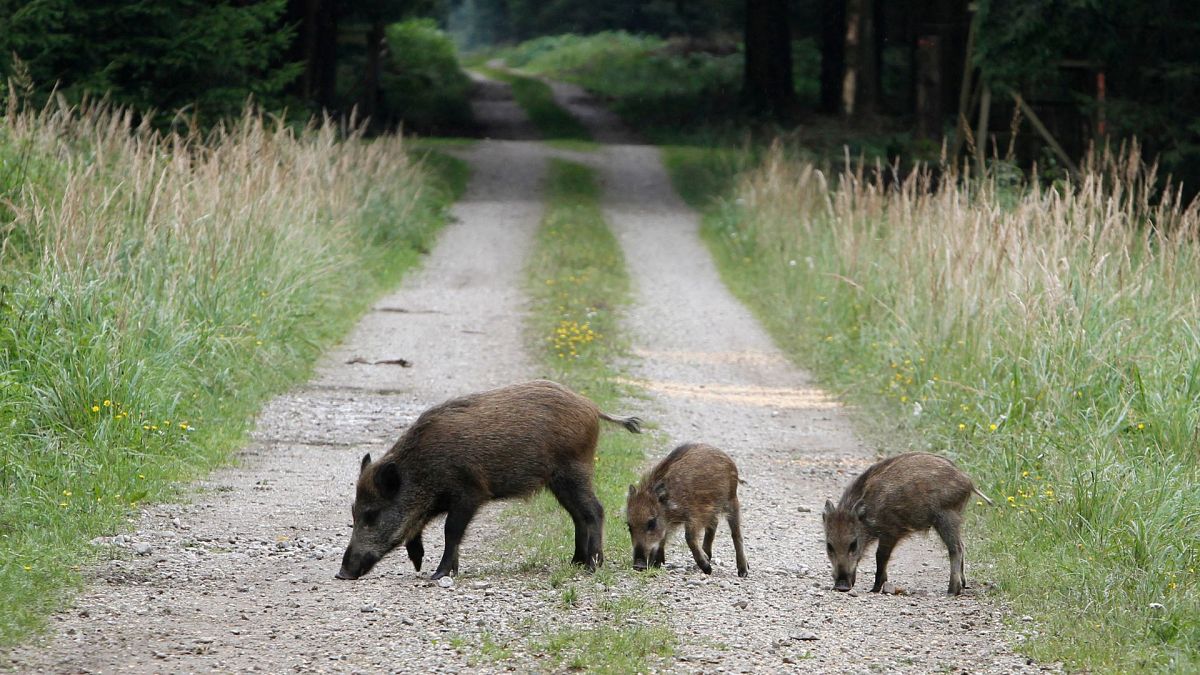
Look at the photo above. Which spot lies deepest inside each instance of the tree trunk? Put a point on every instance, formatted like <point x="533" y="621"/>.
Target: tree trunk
<point x="367" y="105"/>
<point x="325" y="68"/>
<point x="860" y="82"/>
<point x="304" y="15"/>
<point x="833" y="54"/>
<point x="767" y="80"/>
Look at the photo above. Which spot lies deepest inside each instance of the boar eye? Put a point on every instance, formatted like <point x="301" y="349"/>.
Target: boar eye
<point x="854" y="546"/>
<point x="370" y="517"/>
<point x="653" y="523"/>
<point x="829" y="548"/>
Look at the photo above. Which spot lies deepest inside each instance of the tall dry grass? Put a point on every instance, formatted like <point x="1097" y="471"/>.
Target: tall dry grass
<point x="1046" y="336"/>
<point x="154" y="288"/>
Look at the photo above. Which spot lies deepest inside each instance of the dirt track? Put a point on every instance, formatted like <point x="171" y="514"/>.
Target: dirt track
<point x="240" y="578"/>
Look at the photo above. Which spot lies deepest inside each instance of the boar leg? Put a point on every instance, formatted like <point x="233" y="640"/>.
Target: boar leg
<point x="457" y="519"/>
<point x="416" y="550"/>
<point x="692" y="534"/>
<point x="949" y="527"/>
<point x="709" y="532"/>
<point x="883" y="553"/>
<point x="734" y="518"/>
<point x="574" y="492"/>
<point x="660" y="558"/>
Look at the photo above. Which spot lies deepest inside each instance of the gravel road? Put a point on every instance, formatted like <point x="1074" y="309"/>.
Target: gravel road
<point x="239" y="578"/>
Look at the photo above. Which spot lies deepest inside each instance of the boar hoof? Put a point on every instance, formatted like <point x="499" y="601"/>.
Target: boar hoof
<point x="744" y="572"/>
<point x="707" y="569"/>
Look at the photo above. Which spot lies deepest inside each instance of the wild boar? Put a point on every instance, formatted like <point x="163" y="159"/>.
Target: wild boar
<point x="892" y="499"/>
<point x="692" y="486"/>
<point x="498" y="444"/>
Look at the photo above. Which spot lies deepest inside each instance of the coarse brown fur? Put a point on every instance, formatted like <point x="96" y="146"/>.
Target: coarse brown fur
<point x="693" y="486"/>
<point x="892" y="499"/>
<point x="499" y="444"/>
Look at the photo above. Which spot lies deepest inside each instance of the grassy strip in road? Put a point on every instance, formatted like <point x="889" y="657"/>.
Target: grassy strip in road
<point x="1044" y="339"/>
<point x="578" y="283"/>
<point x="155" y="290"/>
<point x="559" y="127"/>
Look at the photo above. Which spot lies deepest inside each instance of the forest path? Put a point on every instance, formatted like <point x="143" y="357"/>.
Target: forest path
<point x="239" y="579"/>
<point x="715" y="376"/>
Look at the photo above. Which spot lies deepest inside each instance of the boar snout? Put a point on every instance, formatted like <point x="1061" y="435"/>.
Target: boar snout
<point x="354" y="565"/>
<point x="844" y="582"/>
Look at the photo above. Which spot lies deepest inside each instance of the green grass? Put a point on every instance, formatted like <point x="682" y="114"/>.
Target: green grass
<point x="578" y="285"/>
<point x="1046" y="340"/>
<point x="556" y="125"/>
<point x="154" y="292"/>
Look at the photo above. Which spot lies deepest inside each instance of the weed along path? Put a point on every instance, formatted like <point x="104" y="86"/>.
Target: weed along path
<point x="240" y="577"/>
<point x="715" y="376"/>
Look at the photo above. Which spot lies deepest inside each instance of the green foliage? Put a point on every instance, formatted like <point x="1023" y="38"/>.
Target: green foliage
<point x="1045" y="339"/>
<point x="208" y="57"/>
<point x="148" y="310"/>
<point x="665" y="90"/>
<point x="422" y="84"/>
<point x="478" y="23"/>
<point x="1147" y="50"/>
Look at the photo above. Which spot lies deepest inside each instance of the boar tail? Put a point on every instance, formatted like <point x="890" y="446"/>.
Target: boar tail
<point x="633" y="424"/>
<point x="985" y="497"/>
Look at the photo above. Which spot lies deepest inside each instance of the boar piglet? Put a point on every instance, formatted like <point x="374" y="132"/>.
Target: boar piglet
<point x="499" y="444"/>
<point x="693" y="486"/>
<point x="892" y="499"/>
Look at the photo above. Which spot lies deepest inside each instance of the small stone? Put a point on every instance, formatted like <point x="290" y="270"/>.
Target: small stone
<point x="446" y="582"/>
<point x="143" y="549"/>
<point x="852" y="593"/>
<point x="119" y="540"/>
<point x="480" y="585"/>
<point x="367" y="609"/>
<point x="1156" y="606"/>
<point x="805" y="635"/>
<point x="406" y="621"/>
<point x="741" y="604"/>
<point x="804" y="509"/>
<point x="1027" y="618"/>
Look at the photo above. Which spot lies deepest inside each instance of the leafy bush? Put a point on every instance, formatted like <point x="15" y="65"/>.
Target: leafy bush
<point x="1044" y="337"/>
<point x="669" y="89"/>
<point x="208" y="57"/>
<point x="423" y="86"/>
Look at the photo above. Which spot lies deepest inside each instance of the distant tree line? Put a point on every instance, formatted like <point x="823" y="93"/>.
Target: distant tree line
<point x="1086" y="70"/>
<point x="1082" y="70"/>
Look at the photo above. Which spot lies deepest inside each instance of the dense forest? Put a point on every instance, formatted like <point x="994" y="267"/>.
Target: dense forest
<point x="1068" y="73"/>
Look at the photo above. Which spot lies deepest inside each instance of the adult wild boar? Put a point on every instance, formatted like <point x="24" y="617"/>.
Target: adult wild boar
<point x="498" y="444"/>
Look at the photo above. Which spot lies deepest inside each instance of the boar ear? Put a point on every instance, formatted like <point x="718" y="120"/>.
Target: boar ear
<point x="660" y="491"/>
<point x="365" y="463"/>
<point x="387" y="479"/>
<point x="632" y="491"/>
<point x="829" y="509"/>
<point x="860" y="509"/>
